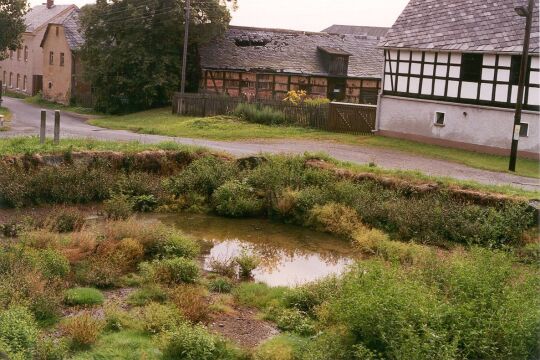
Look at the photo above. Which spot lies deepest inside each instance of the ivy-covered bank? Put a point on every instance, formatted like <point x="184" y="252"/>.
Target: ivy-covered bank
<point x="446" y="272"/>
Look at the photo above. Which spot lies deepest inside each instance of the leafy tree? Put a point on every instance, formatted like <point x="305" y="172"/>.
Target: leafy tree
<point x="11" y="24"/>
<point x="133" y="50"/>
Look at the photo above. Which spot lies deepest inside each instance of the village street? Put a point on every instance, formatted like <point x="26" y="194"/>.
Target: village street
<point x="26" y="123"/>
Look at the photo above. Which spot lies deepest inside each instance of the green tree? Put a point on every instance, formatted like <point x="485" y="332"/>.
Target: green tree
<point x="11" y="24"/>
<point x="133" y="49"/>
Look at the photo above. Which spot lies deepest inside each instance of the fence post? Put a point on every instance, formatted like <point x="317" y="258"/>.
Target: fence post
<point x="43" y="126"/>
<point x="57" y="126"/>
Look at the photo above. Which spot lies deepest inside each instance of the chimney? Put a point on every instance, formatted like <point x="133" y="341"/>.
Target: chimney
<point x="50" y="4"/>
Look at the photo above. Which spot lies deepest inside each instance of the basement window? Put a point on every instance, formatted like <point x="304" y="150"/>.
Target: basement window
<point x="440" y="118"/>
<point x="524" y="130"/>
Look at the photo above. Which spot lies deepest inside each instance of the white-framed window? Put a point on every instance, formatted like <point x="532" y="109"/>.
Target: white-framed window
<point x="524" y="130"/>
<point x="439" y="118"/>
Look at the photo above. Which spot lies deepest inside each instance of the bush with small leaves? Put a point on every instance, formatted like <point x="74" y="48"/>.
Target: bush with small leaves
<point x="236" y="199"/>
<point x="157" y="318"/>
<point x="223" y="266"/>
<point x="48" y="348"/>
<point x="18" y="331"/>
<point x="176" y="244"/>
<point x="145" y="295"/>
<point x="65" y="220"/>
<point x="335" y="218"/>
<point x="170" y="271"/>
<point x="190" y="300"/>
<point x="118" y="207"/>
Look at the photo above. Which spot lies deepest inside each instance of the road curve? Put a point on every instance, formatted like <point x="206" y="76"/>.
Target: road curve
<point x="26" y="120"/>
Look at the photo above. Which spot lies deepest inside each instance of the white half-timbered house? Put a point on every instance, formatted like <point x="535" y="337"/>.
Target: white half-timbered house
<point x="451" y="73"/>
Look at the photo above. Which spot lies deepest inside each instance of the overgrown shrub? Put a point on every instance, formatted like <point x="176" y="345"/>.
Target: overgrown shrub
<point x="176" y="244"/>
<point x="48" y="348"/>
<point x="335" y="218"/>
<point x="195" y="343"/>
<point x="203" y="176"/>
<point x="18" y="331"/>
<point x="65" y="220"/>
<point x="171" y="271"/>
<point x="236" y="199"/>
<point x="157" y="318"/>
<point x="292" y="320"/>
<point x="83" y="330"/>
<point x="83" y="296"/>
<point x="259" y="114"/>
<point x="224" y="266"/>
<point x="118" y="207"/>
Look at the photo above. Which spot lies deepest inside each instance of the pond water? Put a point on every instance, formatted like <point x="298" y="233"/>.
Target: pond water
<point x="291" y="255"/>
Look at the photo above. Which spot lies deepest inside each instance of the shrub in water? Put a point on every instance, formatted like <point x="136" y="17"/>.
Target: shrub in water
<point x="157" y="318"/>
<point x="247" y="263"/>
<point x="203" y="176"/>
<point x="220" y="285"/>
<point x="236" y="199"/>
<point x="118" y="207"/>
<point x="18" y="331"/>
<point x="83" y="296"/>
<point x="223" y="266"/>
<point x="171" y="271"/>
<point x="83" y="330"/>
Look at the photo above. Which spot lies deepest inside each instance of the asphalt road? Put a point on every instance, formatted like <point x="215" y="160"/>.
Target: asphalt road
<point x="26" y="119"/>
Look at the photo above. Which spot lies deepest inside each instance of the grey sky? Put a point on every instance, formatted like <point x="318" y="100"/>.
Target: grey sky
<point x="312" y="15"/>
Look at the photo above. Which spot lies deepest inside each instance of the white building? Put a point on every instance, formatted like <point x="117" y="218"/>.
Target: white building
<point x="451" y="74"/>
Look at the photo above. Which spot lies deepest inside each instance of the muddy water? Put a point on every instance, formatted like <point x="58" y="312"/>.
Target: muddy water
<point x="290" y="255"/>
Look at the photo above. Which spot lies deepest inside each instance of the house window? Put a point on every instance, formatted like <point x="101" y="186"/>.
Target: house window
<point x="50" y="85"/>
<point x="369" y="96"/>
<point x="24" y="83"/>
<point x="515" y="67"/>
<point x="524" y="130"/>
<point x="10" y="80"/>
<point x="18" y="80"/>
<point x="51" y="58"/>
<point x="11" y="54"/>
<point x="440" y="118"/>
<point x="19" y="54"/>
<point x="471" y="67"/>
<point x="57" y="31"/>
<point x="26" y="53"/>
<point x="4" y="78"/>
<point x="61" y="59"/>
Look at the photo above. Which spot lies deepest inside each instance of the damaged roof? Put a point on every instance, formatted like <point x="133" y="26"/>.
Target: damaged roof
<point x="376" y="31"/>
<point x="289" y="51"/>
<point x="463" y="25"/>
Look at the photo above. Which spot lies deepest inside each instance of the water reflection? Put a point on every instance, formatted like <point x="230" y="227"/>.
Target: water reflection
<point x="290" y="255"/>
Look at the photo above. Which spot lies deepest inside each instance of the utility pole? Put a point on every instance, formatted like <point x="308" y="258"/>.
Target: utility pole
<point x="528" y="13"/>
<point x="184" y="56"/>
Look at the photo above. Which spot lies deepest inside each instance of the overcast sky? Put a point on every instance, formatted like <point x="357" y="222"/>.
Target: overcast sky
<point x="311" y="15"/>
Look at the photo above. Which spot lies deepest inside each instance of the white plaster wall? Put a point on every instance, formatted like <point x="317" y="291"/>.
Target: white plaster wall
<point x="480" y="126"/>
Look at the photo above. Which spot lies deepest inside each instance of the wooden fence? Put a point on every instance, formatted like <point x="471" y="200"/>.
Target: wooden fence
<point x="335" y="117"/>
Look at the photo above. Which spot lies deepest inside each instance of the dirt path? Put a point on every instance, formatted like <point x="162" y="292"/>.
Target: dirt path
<point x="25" y="122"/>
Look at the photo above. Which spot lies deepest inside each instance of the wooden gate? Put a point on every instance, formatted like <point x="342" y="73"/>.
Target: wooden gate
<point x="352" y="118"/>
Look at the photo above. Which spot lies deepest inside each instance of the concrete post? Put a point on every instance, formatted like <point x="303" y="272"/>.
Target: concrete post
<point x="43" y="127"/>
<point x="57" y="126"/>
<point x="1" y="121"/>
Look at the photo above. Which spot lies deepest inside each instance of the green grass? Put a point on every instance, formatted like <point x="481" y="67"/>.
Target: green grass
<point x="162" y="122"/>
<point x="31" y="145"/>
<point x="83" y="296"/>
<point x="127" y="345"/>
<point x="257" y="295"/>
<point x="14" y="94"/>
<point x="39" y="101"/>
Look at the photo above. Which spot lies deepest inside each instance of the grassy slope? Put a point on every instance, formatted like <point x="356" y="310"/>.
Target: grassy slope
<point x="31" y="145"/>
<point x="162" y="122"/>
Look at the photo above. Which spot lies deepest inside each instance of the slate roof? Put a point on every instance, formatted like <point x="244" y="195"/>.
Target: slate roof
<point x="40" y="15"/>
<point x="376" y="31"/>
<point x="72" y="28"/>
<point x="462" y="25"/>
<point x="289" y="51"/>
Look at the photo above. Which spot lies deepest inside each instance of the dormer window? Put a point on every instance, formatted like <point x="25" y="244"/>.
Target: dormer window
<point x="335" y="60"/>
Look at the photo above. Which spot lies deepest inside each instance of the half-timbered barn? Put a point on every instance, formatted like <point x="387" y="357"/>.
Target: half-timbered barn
<point x="451" y="74"/>
<point x="267" y="63"/>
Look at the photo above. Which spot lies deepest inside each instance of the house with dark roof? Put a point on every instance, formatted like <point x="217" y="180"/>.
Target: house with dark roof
<point x="62" y="66"/>
<point x="267" y="63"/>
<point x="374" y="31"/>
<point x="451" y="73"/>
<point x="22" y="71"/>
